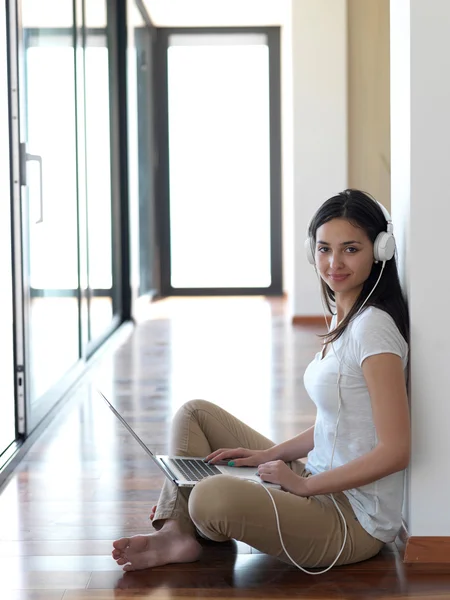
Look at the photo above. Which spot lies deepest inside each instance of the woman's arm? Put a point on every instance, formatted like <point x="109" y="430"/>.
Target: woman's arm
<point x="386" y="383"/>
<point x="297" y="447"/>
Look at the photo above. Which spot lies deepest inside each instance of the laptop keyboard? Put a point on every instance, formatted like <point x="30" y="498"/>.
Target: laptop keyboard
<point x="195" y="470"/>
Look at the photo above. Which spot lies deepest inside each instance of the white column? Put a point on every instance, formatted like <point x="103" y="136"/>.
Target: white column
<point x="401" y="149"/>
<point x="420" y="117"/>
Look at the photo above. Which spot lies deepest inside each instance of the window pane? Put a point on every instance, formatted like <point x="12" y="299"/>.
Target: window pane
<point x="219" y="161"/>
<point x="50" y="234"/>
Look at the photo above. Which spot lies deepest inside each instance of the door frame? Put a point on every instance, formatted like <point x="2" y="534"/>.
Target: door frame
<point x="162" y="177"/>
<point x="16" y="214"/>
<point x="27" y="421"/>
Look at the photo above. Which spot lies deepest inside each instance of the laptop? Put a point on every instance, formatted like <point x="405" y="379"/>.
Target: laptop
<point x="186" y="471"/>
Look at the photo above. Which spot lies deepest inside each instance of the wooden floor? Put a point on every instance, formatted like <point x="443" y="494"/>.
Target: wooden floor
<point x="86" y="481"/>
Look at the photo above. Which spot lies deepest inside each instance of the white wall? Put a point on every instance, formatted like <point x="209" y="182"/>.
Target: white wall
<point x="423" y="182"/>
<point x="319" y="33"/>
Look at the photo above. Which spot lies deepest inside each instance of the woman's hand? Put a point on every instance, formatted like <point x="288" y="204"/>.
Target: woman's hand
<point x="278" y="472"/>
<point x="241" y="457"/>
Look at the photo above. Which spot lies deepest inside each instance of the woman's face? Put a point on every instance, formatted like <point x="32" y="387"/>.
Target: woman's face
<point x="344" y="256"/>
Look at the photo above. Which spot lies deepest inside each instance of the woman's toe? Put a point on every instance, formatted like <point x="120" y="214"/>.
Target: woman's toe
<point x="121" y="544"/>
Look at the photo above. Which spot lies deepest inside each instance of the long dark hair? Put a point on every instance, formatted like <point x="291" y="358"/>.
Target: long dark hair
<point x="364" y="212"/>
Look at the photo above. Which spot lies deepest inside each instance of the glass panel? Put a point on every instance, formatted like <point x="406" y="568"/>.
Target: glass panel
<point x="7" y="420"/>
<point x="50" y="199"/>
<point x="140" y="149"/>
<point x="219" y="160"/>
<point x="95" y="13"/>
<point x="98" y="171"/>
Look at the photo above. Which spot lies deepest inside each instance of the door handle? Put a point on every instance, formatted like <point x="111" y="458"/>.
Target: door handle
<point x="27" y="157"/>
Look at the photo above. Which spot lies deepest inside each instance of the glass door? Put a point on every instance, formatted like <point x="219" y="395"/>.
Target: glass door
<point x="223" y="195"/>
<point x="49" y="199"/>
<point x="7" y="404"/>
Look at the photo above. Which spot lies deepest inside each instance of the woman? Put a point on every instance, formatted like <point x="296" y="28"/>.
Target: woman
<point x="356" y="451"/>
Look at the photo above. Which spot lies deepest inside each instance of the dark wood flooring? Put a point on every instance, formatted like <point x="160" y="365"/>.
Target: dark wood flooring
<point x="86" y="482"/>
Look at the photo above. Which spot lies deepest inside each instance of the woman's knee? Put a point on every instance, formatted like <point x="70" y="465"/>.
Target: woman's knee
<point x="212" y="502"/>
<point x="210" y="496"/>
<point x="193" y="405"/>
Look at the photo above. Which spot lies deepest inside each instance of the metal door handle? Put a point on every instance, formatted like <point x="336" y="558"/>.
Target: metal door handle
<point x="27" y="157"/>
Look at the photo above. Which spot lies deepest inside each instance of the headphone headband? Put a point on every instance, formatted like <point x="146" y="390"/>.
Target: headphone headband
<point x="387" y="216"/>
<point x="383" y="246"/>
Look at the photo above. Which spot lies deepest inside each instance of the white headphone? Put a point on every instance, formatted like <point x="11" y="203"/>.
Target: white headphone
<point x="383" y="247"/>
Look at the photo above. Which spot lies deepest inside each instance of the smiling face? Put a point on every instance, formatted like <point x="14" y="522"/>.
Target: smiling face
<point x="344" y="257"/>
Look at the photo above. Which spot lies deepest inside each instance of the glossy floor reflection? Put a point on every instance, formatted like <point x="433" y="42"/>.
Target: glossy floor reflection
<point x="85" y="481"/>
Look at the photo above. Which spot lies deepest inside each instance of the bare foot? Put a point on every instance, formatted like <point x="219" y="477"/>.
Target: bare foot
<point x="152" y="514"/>
<point x="156" y="549"/>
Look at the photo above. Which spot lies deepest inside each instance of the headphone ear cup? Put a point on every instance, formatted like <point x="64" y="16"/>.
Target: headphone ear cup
<point x="384" y="246"/>
<point x="309" y="252"/>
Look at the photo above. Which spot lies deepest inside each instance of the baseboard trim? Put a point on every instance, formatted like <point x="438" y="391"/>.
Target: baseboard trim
<point x="309" y="320"/>
<point x="427" y="549"/>
<point x="418" y="549"/>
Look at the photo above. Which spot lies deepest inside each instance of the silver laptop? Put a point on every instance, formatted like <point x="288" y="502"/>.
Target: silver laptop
<point x="186" y="471"/>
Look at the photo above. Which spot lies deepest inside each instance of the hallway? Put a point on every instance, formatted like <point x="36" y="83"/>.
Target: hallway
<point x="85" y="481"/>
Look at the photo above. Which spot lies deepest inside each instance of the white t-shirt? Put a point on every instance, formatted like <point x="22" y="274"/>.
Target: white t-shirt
<point x="377" y="505"/>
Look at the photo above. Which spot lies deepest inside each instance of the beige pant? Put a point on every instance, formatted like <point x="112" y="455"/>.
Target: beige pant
<point x="225" y="507"/>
